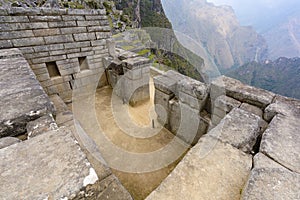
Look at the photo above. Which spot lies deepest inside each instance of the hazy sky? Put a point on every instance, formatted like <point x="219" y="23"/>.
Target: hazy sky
<point x="260" y="13"/>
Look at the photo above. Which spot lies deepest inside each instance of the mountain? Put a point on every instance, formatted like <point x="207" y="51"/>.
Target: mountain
<point x="284" y="38"/>
<point x="281" y="76"/>
<point x="218" y="31"/>
<point x="277" y="21"/>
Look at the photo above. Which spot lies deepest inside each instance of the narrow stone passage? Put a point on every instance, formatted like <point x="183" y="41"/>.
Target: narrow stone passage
<point x="138" y="184"/>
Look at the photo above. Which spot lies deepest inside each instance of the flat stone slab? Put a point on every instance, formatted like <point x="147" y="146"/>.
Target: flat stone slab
<point x="7" y="141"/>
<point x="282" y="105"/>
<point x="221" y="174"/>
<point x="167" y="82"/>
<point x="281" y="141"/>
<point x="226" y="103"/>
<point x="50" y="166"/>
<point x="269" y="181"/>
<point x="22" y="98"/>
<point x="241" y="92"/>
<point x="239" y="128"/>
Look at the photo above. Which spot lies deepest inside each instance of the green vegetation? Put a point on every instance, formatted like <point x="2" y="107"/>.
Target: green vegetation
<point x="280" y="76"/>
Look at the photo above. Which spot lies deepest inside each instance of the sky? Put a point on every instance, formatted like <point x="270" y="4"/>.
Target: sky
<point x="261" y="13"/>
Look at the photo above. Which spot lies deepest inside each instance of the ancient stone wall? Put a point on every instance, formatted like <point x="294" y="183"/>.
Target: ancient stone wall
<point x="61" y="45"/>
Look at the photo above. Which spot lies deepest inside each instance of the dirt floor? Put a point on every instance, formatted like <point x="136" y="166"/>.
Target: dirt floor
<point x="138" y="184"/>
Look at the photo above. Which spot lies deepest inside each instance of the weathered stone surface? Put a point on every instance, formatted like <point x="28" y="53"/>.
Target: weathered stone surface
<point x="185" y="122"/>
<point x="41" y="125"/>
<point x="221" y="174"/>
<point x="282" y="105"/>
<point x="226" y="103"/>
<point x="269" y="180"/>
<point x="193" y="93"/>
<point x="7" y="141"/>
<point x="64" y="115"/>
<point x="281" y="141"/>
<point x="253" y="109"/>
<point x="239" y="128"/>
<point x="53" y="172"/>
<point x="167" y="82"/>
<point x="22" y="98"/>
<point x="238" y="90"/>
<point x="135" y="62"/>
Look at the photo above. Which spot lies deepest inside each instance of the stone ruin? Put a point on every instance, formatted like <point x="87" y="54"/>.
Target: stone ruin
<point x="245" y="141"/>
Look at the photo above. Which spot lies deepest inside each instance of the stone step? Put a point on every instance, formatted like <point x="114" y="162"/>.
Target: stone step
<point x="210" y="170"/>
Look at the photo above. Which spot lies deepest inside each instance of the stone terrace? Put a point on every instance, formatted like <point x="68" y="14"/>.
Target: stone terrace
<point x="61" y="45"/>
<point x="247" y="123"/>
<point x="50" y="164"/>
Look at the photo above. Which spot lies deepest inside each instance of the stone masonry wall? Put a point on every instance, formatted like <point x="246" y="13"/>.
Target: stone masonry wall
<point x="61" y="45"/>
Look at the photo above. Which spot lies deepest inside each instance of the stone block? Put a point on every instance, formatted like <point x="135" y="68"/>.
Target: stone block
<point x="34" y="25"/>
<point x="88" y="23"/>
<point x="82" y="12"/>
<point x="165" y="84"/>
<point x="202" y="171"/>
<point x="226" y="103"/>
<point x="26" y="50"/>
<point x="102" y="35"/>
<point x="282" y="105"/>
<point x="25" y="42"/>
<point x="239" y="91"/>
<point x="58" y="39"/>
<point x="281" y="141"/>
<point x="7" y="141"/>
<point x="240" y="129"/>
<point x="135" y="62"/>
<point x="62" y="24"/>
<point x="84" y="36"/>
<point x="22" y="98"/>
<point x="216" y="119"/>
<point x="48" y="59"/>
<point x="45" y="18"/>
<point x="191" y="101"/>
<point x="53" y="11"/>
<point x="40" y="71"/>
<point x="269" y="180"/>
<point x="50" y="47"/>
<point x="82" y="54"/>
<point x="77" y="45"/>
<point x="219" y="112"/>
<point x="43" y="77"/>
<point x="190" y="127"/>
<point x="41" y="125"/>
<point x="61" y="174"/>
<point x="46" y="32"/>
<point x="101" y="28"/>
<point x="64" y="51"/>
<point x="73" y="30"/>
<point x="73" y="18"/>
<point x="23" y="11"/>
<point x="16" y="34"/>
<point x="3" y="11"/>
<point x="35" y="55"/>
<point x="5" y="44"/>
<point x="253" y="109"/>
<point x="193" y="88"/>
<point x="13" y="19"/>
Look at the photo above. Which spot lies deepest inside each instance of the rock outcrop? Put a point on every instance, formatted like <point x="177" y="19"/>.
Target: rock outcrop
<point x="18" y="82"/>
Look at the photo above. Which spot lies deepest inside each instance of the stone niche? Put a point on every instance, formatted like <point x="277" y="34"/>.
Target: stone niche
<point x="179" y="104"/>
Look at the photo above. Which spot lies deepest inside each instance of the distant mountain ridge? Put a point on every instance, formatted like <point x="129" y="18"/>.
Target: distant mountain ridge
<point x="218" y="30"/>
<point x="281" y="76"/>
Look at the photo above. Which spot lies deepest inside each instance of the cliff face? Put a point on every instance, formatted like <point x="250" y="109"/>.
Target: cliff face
<point x="217" y="29"/>
<point x="144" y="12"/>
